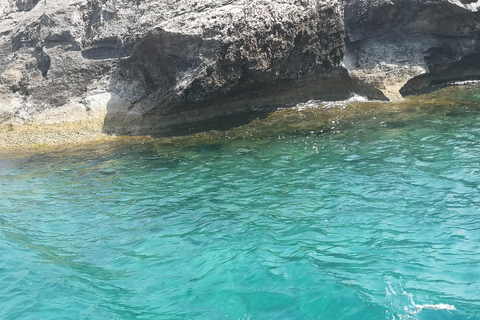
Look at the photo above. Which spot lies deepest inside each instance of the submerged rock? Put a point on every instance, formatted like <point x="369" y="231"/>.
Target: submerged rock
<point x="163" y="67"/>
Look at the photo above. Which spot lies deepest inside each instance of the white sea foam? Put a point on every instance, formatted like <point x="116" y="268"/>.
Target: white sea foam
<point x="404" y="307"/>
<point x="330" y="104"/>
<point x="441" y="306"/>
<point x="465" y="83"/>
<point x="357" y="98"/>
<point x="308" y="104"/>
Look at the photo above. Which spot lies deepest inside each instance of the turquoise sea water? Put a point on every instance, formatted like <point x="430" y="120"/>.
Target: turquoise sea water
<point x="377" y="217"/>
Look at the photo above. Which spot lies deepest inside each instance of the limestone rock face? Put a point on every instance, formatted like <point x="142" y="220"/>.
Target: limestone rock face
<point x="163" y="67"/>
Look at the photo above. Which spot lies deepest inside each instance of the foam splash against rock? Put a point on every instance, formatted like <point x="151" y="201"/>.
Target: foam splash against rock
<point x="330" y="104"/>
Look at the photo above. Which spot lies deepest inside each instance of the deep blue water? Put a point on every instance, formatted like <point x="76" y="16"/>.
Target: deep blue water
<point x="376" y="219"/>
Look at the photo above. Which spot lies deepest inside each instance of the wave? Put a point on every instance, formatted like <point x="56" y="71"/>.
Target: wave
<point x="440" y="306"/>
<point x="402" y="305"/>
<point x="330" y="104"/>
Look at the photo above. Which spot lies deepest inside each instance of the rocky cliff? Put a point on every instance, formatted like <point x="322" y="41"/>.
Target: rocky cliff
<point x="163" y="67"/>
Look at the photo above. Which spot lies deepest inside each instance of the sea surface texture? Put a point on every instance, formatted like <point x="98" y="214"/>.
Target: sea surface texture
<point x="352" y="210"/>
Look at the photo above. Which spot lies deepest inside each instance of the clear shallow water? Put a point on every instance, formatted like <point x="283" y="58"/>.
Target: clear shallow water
<point x="376" y="218"/>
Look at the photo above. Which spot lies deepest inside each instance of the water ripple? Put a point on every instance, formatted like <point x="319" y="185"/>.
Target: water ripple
<point x="374" y="222"/>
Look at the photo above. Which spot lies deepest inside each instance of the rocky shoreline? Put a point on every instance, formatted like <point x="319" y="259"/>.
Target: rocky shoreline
<point x="83" y="70"/>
